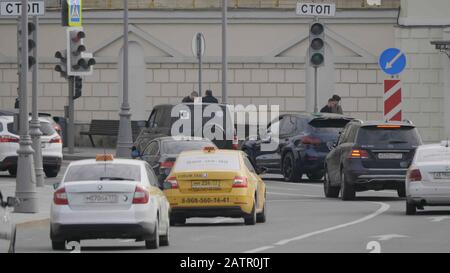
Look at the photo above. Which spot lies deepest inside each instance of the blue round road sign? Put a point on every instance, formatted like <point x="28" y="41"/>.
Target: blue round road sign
<point x="392" y="61"/>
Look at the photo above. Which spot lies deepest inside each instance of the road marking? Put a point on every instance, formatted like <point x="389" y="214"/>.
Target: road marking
<point x="387" y="237"/>
<point x="439" y="218"/>
<point x="383" y="207"/>
<point x="292" y="194"/>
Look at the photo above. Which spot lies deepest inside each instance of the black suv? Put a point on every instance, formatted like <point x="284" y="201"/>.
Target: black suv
<point x="370" y="156"/>
<point x="199" y="116"/>
<point x="304" y="142"/>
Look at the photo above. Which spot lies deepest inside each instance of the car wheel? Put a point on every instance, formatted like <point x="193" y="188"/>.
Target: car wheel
<point x="153" y="243"/>
<point x="13" y="171"/>
<point x="261" y="217"/>
<point x="347" y="190"/>
<point x="290" y="171"/>
<point x="315" y="176"/>
<point x="164" y="239"/>
<point x="251" y="218"/>
<point x="51" y="172"/>
<point x="330" y="191"/>
<point x="410" y="208"/>
<point x="401" y="192"/>
<point x="12" y="241"/>
<point x="58" y="245"/>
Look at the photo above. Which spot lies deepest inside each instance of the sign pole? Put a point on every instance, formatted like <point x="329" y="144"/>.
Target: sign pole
<point x="26" y="179"/>
<point x="316" y="108"/>
<point x="199" y="55"/>
<point x="71" y="125"/>
<point x="224" y="52"/>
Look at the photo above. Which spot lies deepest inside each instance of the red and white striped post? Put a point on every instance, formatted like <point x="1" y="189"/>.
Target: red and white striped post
<point x="392" y="100"/>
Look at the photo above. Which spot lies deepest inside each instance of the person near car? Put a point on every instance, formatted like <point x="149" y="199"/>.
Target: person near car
<point x="329" y="107"/>
<point x="337" y="108"/>
<point x="209" y="98"/>
<point x="190" y="98"/>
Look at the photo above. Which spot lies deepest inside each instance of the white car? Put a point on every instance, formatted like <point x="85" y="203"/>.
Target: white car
<point x="9" y="144"/>
<point x="107" y="198"/>
<point x="428" y="178"/>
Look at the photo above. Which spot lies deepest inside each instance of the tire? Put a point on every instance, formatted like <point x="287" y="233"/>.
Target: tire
<point x="347" y="190"/>
<point x="315" y="176"/>
<point x="401" y="192"/>
<point x="12" y="241"/>
<point x="290" y="172"/>
<point x="164" y="239"/>
<point x="153" y="243"/>
<point x="177" y="221"/>
<point x="250" y="219"/>
<point x="261" y="217"/>
<point x="13" y="171"/>
<point x="410" y="208"/>
<point x="58" y="245"/>
<point x="51" y="172"/>
<point x="330" y="191"/>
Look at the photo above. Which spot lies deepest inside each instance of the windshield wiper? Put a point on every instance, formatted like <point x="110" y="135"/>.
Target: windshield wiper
<point x="115" y="178"/>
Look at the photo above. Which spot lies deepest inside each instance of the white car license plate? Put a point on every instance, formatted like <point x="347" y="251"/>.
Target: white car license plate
<point x="101" y="198"/>
<point x="441" y="175"/>
<point x="390" y="156"/>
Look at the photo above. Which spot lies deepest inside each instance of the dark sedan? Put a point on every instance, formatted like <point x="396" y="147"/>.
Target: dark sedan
<point x="304" y="142"/>
<point x="161" y="153"/>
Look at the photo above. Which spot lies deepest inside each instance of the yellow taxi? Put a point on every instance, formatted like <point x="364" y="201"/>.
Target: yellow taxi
<point x="212" y="183"/>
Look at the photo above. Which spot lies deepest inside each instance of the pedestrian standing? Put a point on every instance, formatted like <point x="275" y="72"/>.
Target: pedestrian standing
<point x="328" y="108"/>
<point x="209" y="98"/>
<point x="190" y="98"/>
<point x="337" y="108"/>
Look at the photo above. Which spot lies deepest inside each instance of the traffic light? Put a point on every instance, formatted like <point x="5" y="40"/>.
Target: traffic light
<point x="316" y="44"/>
<point x="61" y="67"/>
<point x="31" y="44"/>
<point x="79" y="62"/>
<point x="78" y="87"/>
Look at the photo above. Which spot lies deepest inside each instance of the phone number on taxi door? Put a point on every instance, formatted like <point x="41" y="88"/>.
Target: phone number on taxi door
<point x="205" y="200"/>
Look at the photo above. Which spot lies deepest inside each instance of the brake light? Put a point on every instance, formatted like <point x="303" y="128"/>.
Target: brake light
<point x="240" y="182"/>
<point x="60" y="197"/>
<point x="173" y="181"/>
<point x="235" y="144"/>
<point x="166" y="164"/>
<point x="389" y="126"/>
<point x="311" y="140"/>
<point x="141" y="196"/>
<point x="55" y="140"/>
<point x="414" y="175"/>
<point x="359" y="154"/>
<point x="8" y="139"/>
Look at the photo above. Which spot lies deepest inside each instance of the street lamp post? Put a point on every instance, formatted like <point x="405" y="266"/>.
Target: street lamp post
<point x="125" y="139"/>
<point x="26" y="179"/>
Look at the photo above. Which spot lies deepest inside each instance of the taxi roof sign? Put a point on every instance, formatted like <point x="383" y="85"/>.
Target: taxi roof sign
<point x="104" y="157"/>
<point x="209" y="149"/>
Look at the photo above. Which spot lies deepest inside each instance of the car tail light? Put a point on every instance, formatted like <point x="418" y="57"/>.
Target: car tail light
<point x="240" y="182"/>
<point x="166" y="164"/>
<point x="311" y="140"/>
<point x="55" y="140"/>
<point x="141" y="196"/>
<point x="9" y="139"/>
<point x="235" y="144"/>
<point x="60" y="197"/>
<point x="173" y="181"/>
<point x="414" y="175"/>
<point x="356" y="153"/>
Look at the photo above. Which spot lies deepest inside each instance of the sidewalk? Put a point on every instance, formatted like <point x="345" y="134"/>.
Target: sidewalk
<point x="86" y="153"/>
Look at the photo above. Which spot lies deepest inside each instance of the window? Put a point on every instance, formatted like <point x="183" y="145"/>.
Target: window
<point x="151" y="176"/>
<point x="46" y="129"/>
<point x="151" y="120"/>
<point x="249" y="165"/>
<point x="287" y="125"/>
<point x="103" y="171"/>
<point x="152" y="148"/>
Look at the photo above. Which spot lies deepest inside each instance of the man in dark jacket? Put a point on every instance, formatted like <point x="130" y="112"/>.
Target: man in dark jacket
<point x="329" y="107"/>
<point x="337" y="108"/>
<point x="209" y="98"/>
<point x="190" y="98"/>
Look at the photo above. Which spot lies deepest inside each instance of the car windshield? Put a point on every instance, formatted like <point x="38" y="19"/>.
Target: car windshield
<point x="207" y="162"/>
<point x="440" y="154"/>
<point x="376" y="136"/>
<point x="46" y="129"/>
<point x="176" y="147"/>
<point x="101" y="171"/>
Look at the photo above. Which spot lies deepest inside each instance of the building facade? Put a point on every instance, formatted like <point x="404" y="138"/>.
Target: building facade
<point x="267" y="51"/>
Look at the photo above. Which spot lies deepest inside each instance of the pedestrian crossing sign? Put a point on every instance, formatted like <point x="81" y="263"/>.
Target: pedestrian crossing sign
<point x="75" y="13"/>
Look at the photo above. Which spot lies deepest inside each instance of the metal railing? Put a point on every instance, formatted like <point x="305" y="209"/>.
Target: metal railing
<point x="214" y="4"/>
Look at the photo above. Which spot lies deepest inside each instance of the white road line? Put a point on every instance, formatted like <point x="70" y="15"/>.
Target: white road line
<point x="297" y="184"/>
<point x="384" y="207"/>
<point x="292" y="194"/>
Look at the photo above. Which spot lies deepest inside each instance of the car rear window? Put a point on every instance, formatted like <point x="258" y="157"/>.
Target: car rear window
<point x="439" y="154"/>
<point x="229" y="162"/>
<point x="46" y="129"/>
<point x="95" y="172"/>
<point x="377" y="136"/>
<point x="320" y="125"/>
<point x="176" y="147"/>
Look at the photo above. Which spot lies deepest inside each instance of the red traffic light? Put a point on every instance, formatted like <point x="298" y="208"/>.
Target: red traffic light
<point x="77" y="35"/>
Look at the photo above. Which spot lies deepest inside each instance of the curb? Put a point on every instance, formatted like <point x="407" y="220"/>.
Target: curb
<point x="34" y="223"/>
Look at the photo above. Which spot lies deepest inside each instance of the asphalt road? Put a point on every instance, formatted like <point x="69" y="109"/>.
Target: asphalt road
<point x="299" y="219"/>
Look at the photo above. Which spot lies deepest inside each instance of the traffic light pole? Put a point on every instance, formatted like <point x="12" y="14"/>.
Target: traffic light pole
<point x="199" y="55"/>
<point x="26" y="179"/>
<point x="316" y="108"/>
<point x="35" y="125"/>
<point x="71" y="125"/>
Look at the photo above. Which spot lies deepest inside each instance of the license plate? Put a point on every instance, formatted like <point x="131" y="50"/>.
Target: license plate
<point x="206" y="184"/>
<point x="101" y="198"/>
<point x="441" y="175"/>
<point x="390" y="156"/>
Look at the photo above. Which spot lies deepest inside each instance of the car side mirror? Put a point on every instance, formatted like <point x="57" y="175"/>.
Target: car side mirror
<point x="56" y="185"/>
<point x="261" y="170"/>
<point x="167" y="186"/>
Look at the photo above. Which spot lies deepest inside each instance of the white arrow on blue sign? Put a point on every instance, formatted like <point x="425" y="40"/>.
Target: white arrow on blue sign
<point x="392" y="61"/>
